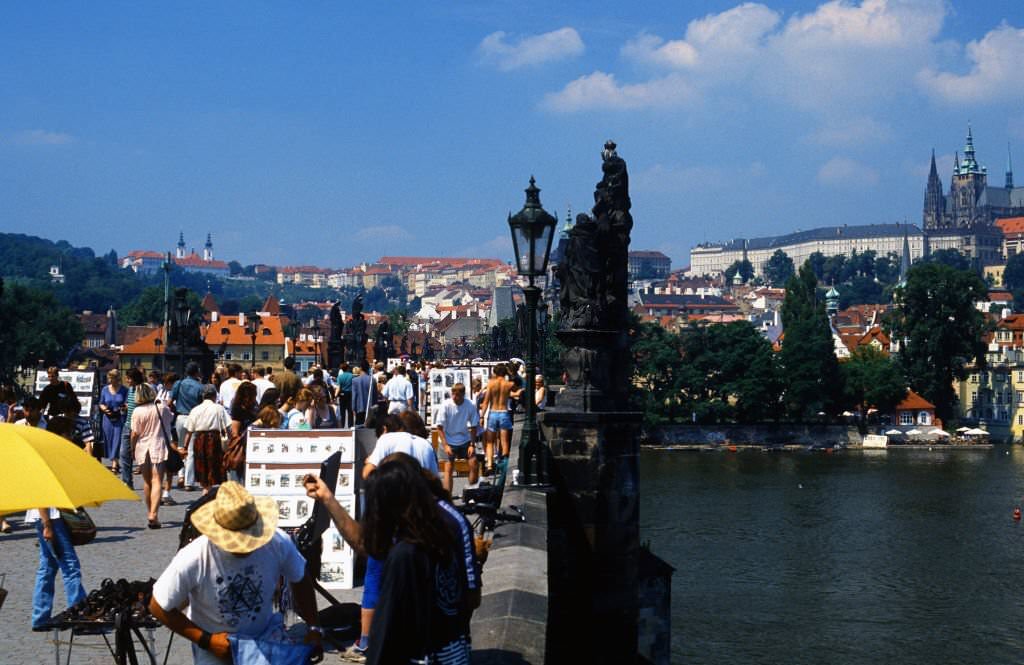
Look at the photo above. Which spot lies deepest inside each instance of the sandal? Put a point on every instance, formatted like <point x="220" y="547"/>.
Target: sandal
<point x="155" y="524"/>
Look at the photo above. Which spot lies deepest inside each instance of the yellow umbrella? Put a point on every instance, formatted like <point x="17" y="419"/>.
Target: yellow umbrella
<point x="39" y="469"/>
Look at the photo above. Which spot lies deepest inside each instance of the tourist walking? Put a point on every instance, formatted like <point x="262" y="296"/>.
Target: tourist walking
<point x="150" y="439"/>
<point x="225" y="581"/>
<point x="457" y="424"/>
<point x="185" y="396"/>
<point x="134" y="380"/>
<point x="288" y="383"/>
<point x="260" y="380"/>
<point x="398" y="391"/>
<point x="113" y="411"/>
<point x="495" y="404"/>
<point x="363" y="394"/>
<point x="297" y="410"/>
<point x="203" y="429"/>
<point x="321" y="413"/>
<point x="345" y="377"/>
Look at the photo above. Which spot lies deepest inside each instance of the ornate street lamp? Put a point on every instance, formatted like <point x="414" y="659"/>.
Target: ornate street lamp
<point x="254" y="330"/>
<point x="533" y="229"/>
<point x="316" y="339"/>
<point x="181" y="315"/>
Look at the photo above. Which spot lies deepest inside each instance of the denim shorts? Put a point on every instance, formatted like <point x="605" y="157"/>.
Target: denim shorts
<point x="498" y="420"/>
<point x="458" y="452"/>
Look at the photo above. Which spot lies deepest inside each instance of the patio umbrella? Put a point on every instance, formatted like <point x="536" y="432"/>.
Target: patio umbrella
<point x="962" y="429"/>
<point x="914" y="432"/>
<point x="939" y="432"/>
<point x="976" y="432"/>
<point x="893" y="432"/>
<point x="40" y="469"/>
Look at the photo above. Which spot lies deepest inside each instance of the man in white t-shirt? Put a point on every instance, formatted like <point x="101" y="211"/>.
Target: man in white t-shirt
<point x="392" y="438"/>
<point x="398" y="391"/>
<point x="230" y="386"/>
<point x="457" y="424"/>
<point x="261" y="382"/>
<point x="226" y="578"/>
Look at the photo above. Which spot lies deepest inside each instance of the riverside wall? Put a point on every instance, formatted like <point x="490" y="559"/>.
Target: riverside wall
<point x="767" y="434"/>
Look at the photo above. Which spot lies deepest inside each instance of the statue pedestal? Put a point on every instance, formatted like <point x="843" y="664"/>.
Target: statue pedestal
<point x="596" y="362"/>
<point x="595" y="456"/>
<point x="335" y="353"/>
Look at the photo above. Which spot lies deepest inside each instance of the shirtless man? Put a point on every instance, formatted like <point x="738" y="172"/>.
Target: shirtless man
<point x="499" y="420"/>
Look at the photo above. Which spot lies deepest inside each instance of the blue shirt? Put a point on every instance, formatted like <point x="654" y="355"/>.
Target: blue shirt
<point x="345" y="382"/>
<point x="186" y="395"/>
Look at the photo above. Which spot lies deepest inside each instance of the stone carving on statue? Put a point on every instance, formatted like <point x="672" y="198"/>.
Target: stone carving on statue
<point x="593" y="288"/>
<point x="383" y="342"/>
<point x="594" y="273"/>
<point x="337" y="324"/>
<point x="355" y="334"/>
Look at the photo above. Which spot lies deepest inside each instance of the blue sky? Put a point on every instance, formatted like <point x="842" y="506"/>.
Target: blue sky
<point x="331" y="134"/>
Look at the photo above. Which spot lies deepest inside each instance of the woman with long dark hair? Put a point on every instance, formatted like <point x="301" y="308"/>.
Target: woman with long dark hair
<point x="423" y="610"/>
<point x="244" y="411"/>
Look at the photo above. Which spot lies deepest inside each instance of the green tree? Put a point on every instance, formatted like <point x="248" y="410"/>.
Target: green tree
<point x="744" y="268"/>
<point x="35" y="327"/>
<point x="809" y="370"/>
<point x="656" y="362"/>
<point x="1013" y="275"/>
<point x="817" y="263"/>
<point x="729" y="373"/>
<point x="872" y="379"/>
<point x="940" y="330"/>
<point x="779" y="268"/>
<point x="835" y="269"/>
<point x="949" y="257"/>
<point x="149" y="307"/>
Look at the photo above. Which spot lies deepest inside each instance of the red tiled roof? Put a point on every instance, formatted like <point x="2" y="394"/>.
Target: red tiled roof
<point x="272" y="306"/>
<point x="227" y="330"/>
<point x="151" y="343"/>
<point x="145" y="254"/>
<point x="291" y="270"/>
<point x="1010" y="225"/>
<point x="209" y="303"/>
<point x="193" y="260"/>
<point x="1000" y="296"/>
<point x="914" y="402"/>
<point x="410" y="261"/>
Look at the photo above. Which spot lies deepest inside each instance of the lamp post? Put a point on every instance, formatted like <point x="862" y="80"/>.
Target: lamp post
<point x="181" y="320"/>
<point x="254" y="329"/>
<point x="533" y="229"/>
<point x="316" y="339"/>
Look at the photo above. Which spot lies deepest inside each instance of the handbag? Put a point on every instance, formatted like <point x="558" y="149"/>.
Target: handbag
<point x="80" y="526"/>
<point x="174" y="463"/>
<point x="233" y="458"/>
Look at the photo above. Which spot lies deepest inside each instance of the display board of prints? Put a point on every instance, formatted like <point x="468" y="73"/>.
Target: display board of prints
<point x="276" y="461"/>
<point x="83" y="383"/>
<point x="439" y="386"/>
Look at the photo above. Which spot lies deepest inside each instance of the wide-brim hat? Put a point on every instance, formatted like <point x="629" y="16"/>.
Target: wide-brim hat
<point x="236" y="521"/>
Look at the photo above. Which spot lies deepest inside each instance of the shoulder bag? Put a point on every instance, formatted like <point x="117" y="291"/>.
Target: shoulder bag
<point x="174" y="462"/>
<point x="80" y="526"/>
<point x="234" y="454"/>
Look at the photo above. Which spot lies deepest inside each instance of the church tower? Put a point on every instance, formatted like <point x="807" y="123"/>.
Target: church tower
<point x="1009" y="168"/>
<point x="969" y="180"/>
<point x="934" y="201"/>
<point x="179" y="253"/>
<point x="208" y="249"/>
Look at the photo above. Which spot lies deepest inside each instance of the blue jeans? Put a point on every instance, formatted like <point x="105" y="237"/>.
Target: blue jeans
<point x="58" y="554"/>
<point x="371" y="582"/>
<point x="127" y="458"/>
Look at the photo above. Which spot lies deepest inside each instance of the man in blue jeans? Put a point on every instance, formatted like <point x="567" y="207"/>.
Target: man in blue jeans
<point x="134" y="379"/>
<point x="55" y="553"/>
<point x="185" y="396"/>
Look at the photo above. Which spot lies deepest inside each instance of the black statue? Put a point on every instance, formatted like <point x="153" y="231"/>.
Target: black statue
<point x="355" y="334"/>
<point x="594" y="273"/>
<point x="384" y="342"/>
<point x="337" y="323"/>
<point x="403" y="349"/>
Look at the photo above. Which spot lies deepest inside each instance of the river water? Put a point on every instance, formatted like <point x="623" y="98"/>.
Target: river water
<point x="900" y="556"/>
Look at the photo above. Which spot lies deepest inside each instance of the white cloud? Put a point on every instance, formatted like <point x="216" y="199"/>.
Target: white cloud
<point x="733" y="35"/>
<point x="600" y="91"/>
<point x="841" y="57"/>
<point x="41" y="137"/>
<point x="391" y="232"/>
<point x="995" y="71"/>
<point x="857" y="132"/>
<point x="845" y="172"/>
<point x="497" y="49"/>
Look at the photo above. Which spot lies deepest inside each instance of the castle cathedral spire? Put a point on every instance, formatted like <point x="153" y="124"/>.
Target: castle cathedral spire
<point x="934" y="203"/>
<point x="970" y="164"/>
<point x="1009" y="167"/>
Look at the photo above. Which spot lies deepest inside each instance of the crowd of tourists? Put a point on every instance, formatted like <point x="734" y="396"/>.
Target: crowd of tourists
<point x="188" y="433"/>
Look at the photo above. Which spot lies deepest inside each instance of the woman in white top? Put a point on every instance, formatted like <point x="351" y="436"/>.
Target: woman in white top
<point x="151" y="426"/>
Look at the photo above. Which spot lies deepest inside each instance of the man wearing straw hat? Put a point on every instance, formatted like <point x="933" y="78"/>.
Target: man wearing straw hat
<point x="228" y="576"/>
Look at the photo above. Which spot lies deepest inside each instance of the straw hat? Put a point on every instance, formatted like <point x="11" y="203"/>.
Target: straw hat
<point x="235" y="521"/>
